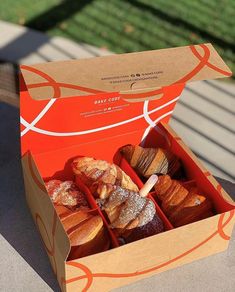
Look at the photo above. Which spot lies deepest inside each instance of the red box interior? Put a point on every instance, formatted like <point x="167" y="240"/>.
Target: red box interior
<point x="57" y="165"/>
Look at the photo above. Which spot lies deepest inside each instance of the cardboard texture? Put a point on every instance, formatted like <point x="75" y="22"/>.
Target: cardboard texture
<point x="103" y="113"/>
<point x="127" y="74"/>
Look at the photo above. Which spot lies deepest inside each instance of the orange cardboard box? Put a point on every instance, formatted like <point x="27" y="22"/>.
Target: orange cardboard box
<point x="92" y="107"/>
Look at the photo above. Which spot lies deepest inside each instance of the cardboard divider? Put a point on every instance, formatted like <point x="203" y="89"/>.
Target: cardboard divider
<point x="84" y="189"/>
<point x="93" y="203"/>
<point x="167" y="223"/>
<point x="125" y="166"/>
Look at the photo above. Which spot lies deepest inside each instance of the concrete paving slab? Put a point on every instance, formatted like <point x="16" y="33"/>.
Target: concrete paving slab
<point x="21" y="45"/>
<point x="205" y="117"/>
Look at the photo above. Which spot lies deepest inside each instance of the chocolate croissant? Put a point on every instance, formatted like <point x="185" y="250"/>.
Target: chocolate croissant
<point x="65" y="193"/>
<point x="131" y="216"/>
<point x="85" y="230"/>
<point x="92" y="172"/>
<point x="148" y="161"/>
<point x="179" y="204"/>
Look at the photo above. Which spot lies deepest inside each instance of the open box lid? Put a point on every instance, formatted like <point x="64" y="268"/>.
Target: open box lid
<point x="107" y="95"/>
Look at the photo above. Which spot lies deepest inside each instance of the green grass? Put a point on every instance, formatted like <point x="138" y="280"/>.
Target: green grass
<point x="20" y="11"/>
<point x="131" y="25"/>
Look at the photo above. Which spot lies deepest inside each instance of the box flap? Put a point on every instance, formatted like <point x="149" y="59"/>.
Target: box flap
<point x="53" y="234"/>
<point x="105" y="99"/>
<point x="133" y="75"/>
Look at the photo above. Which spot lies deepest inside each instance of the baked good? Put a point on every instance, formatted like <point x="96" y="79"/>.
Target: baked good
<point x="131" y="216"/>
<point x="148" y="161"/>
<point x="181" y="206"/>
<point x="193" y="208"/>
<point x="170" y="192"/>
<point x="85" y="230"/>
<point x="93" y="172"/>
<point x="65" y="193"/>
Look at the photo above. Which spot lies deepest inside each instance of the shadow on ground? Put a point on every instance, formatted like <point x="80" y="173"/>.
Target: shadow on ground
<point x="16" y="224"/>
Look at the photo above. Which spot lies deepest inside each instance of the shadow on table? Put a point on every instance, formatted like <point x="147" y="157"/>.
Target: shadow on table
<point x="16" y="224"/>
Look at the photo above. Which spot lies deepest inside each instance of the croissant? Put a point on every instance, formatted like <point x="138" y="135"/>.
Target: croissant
<point x="65" y="193"/>
<point x="195" y="207"/>
<point x="92" y="172"/>
<point x="131" y="216"/>
<point x="180" y="205"/>
<point x="148" y="161"/>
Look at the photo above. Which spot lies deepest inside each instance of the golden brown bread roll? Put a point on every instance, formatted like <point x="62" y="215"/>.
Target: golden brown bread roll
<point x="85" y="230"/>
<point x="72" y="220"/>
<point x="148" y="161"/>
<point x="131" y="216"/>
<point x="180" y="205"/>
<point x="98" y="244"/>
<point x="93" y="172"/>
<point x="62" y="211"/>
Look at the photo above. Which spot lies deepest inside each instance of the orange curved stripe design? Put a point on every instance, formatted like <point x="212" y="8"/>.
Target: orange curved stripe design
<point x="89" y="275"/>
<point x="54" y="224"/>
<point x="34" y="176"/>
<point x="50" y="250"/>
<point x="195" y="52"/>
<point x="55" y="265"/>
<point x="220" y="228"/>
<point x="203" y="61"/>
<point x="87" y="271"/>
<point x="52" y="82"/>
<point x="62" y="282"/>
<point x="67" y="85"/>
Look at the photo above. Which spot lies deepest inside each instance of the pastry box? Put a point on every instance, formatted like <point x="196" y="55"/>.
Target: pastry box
<point x="91" y="108"/>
